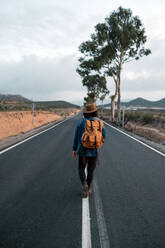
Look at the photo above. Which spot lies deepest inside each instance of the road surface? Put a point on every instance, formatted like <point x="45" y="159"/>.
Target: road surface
<point x="40" y="194"/>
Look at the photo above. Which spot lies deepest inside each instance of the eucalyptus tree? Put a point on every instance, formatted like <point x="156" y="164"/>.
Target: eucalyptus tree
<point x="118" y="40"/>
<point x="90" y="70"/>
<point x="96" y="85"/>
<point x="121" y="39"/>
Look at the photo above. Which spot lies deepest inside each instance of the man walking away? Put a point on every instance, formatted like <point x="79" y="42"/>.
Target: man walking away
<point x="89" y="136"/>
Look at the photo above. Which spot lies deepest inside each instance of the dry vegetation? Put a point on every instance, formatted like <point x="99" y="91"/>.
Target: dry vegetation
<point x="147" y="123"/>
<point x="15" y="122"/>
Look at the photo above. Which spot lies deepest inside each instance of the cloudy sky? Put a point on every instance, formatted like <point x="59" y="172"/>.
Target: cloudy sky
<point x="39" y="48"/>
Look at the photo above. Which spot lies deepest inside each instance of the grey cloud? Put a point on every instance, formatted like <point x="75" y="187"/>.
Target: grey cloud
<point x="150" y="84"/>
<point x="35" y="30"/>
<point x="47" y="25"/>
<point x="40" y="77"/>
<point x="152" y="66"/>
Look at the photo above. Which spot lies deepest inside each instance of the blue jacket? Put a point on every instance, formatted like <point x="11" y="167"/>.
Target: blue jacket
<point x="77" y="146"/>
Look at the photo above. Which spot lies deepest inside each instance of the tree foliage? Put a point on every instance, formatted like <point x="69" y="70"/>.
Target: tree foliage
<point x="90" y="70"/>
<point x="119" y="39"/>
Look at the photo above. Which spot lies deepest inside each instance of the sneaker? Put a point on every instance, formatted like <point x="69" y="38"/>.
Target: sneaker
<point x="85" y="191"/>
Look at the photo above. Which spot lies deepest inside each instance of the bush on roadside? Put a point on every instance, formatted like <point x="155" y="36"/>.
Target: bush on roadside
<point x="147" y="118"/>
<point x="132" y="116"/>
<point x="141" y="116"/>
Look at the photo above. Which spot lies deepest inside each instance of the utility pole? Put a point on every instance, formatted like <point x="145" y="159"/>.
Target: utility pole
<point x="33" y="106"/>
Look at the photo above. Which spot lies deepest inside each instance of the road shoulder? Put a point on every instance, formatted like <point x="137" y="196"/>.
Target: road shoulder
<point x="157" y="146"/>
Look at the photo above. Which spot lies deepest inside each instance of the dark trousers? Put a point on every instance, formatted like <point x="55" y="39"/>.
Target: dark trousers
<point x="83" y="162"/>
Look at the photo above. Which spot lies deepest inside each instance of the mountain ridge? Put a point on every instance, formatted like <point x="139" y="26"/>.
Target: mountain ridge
<point x="13" y="98"/>
<point x="138" y="102"/>
<point x="142" y="102"/>
<point x="18" y="99"/>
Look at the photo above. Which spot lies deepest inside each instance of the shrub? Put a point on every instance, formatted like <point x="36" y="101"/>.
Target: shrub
<point x="147" y="118"/>
<point x="132" y="116"/>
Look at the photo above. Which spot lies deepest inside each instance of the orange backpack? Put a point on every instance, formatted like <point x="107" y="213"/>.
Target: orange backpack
<point x="92" y="137"/>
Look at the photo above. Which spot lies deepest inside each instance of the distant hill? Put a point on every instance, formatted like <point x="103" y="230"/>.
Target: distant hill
<point x="18" y="102"/>
<point x="13" y="98"/>
<point x="55" y="104"/>
<point x="141" y="102"/>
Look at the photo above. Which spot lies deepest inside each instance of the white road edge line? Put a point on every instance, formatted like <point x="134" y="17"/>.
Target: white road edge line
<point x="136" y="139"/>
<point x="31" y="137"/>
<point x="86" y="229"/>
<point x="102" y="228"/>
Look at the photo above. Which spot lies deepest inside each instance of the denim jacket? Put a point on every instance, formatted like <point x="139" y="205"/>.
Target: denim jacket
<point x="77" y="146"/>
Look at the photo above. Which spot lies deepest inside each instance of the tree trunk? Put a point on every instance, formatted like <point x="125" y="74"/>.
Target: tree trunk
<point x="119" y="104"/>
<point x="119" y="93"/>
<point x="113" y="98"/>
<point x="102" y="109"/>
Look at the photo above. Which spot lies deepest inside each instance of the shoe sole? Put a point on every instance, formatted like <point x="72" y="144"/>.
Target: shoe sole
<point x="84" y="195"/>
<point x="85" y="191"/>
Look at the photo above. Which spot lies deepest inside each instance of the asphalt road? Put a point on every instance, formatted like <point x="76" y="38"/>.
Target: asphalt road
<point x="40" y="193"/>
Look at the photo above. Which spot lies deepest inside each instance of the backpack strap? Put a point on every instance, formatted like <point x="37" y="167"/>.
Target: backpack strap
<point x="99" y="126"/>
<point x="95" y="142"/>
<point x="91" y="126"/>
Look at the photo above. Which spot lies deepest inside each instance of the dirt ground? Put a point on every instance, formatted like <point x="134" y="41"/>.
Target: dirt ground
<point x="156" y="134"/>
<point x="13" y="123"/>
<point x="152" y="130"/>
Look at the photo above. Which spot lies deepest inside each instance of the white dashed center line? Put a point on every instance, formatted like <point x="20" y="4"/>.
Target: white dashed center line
<point x="86" y="229"/>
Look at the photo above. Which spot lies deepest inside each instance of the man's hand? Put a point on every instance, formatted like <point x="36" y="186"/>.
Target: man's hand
<point x="74" y="154"/>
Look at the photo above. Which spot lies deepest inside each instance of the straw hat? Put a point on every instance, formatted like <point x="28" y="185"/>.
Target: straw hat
<point x="89" y="108"/>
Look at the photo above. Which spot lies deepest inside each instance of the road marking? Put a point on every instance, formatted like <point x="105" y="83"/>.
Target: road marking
<point x="136" y="139"/>
<point x="86" y="230"/>
<point x="103" y="234"/>
<point x="31" y="137"/>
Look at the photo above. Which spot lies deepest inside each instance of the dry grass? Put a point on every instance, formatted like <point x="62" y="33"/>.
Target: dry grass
<point x="150" y="132"/>
<point x="15" y="122"/>
<point x="149" y="123"/>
